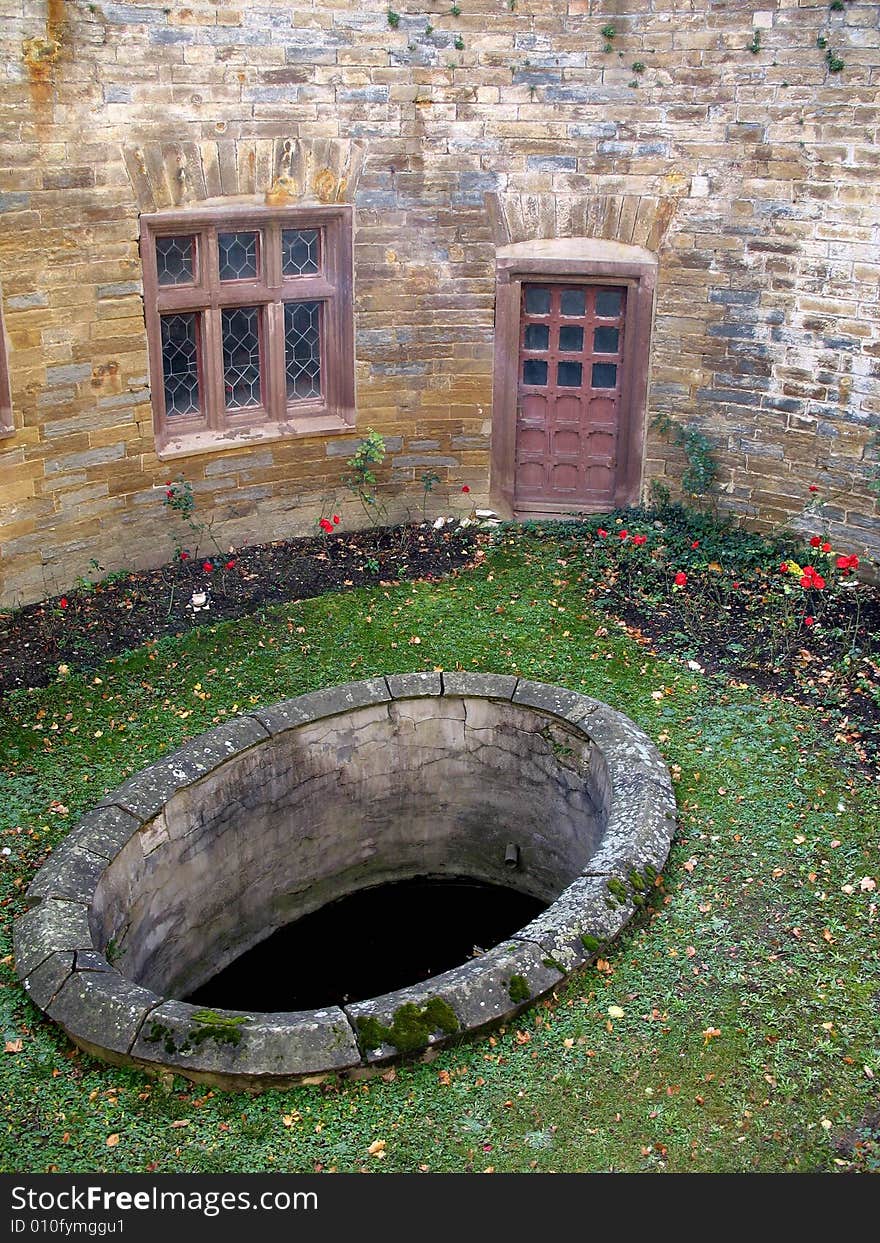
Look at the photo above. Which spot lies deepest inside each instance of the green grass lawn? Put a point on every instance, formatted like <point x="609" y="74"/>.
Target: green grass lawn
<point x="750" y="1036"/>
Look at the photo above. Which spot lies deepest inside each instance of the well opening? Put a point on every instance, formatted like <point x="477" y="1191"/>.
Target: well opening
<point x="409" y="858"/>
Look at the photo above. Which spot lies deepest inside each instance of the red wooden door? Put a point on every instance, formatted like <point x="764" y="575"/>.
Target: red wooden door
<point x="568" y="396"/>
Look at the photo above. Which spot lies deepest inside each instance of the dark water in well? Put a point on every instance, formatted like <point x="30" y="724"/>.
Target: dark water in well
<point x="369" y="943"/>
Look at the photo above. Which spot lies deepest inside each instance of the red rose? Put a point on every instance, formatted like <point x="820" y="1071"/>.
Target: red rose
<point x="639" y="539"/>
<point x="184" y="556"/>
<point x="623" y="534"/>
<point x="695" y="544"/>
<point x="848" y="563"/>
<point x="207" y="567"/>
<point x="336" y="520"/>
<point x="680" y="578"/>
<point x="813" y="487"/>
<point x="809" y="621"/>
<point x="326" y="525"/>
<point x="826" y="547"/>
<point x="62" y="603"/>
<point x="735" y="586"/>
<point x="465" y="488"/>
<point x="602" y="534"/>
<point x="815" y="541"/>
<point x="230" y="565"/>
<point x="783" y="569"/>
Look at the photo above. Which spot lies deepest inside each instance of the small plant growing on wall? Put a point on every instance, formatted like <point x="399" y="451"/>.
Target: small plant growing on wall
<point x="701" y="470"/>
<point x="362" y="480"/>
<point x="393" y="19"/>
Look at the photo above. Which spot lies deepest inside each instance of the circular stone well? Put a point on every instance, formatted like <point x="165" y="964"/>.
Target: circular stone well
<point x="244" y="829"/>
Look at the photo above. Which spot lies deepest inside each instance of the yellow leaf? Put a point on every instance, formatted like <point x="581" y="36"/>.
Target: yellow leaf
<point x="112" y="1141"/>
<point x="377" y="1148"/>
<point x="615" y="1012"/>
<point x="13" y="1046"/>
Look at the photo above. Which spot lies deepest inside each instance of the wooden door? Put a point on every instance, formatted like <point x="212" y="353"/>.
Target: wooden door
<point x="571" y="347"/>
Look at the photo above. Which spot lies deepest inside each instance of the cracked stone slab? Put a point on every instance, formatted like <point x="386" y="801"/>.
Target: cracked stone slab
<point x="70" y="873"/>
<point x="414" y="685"/>
<point x="484" y="685"/>
<point x="555" y="699"/>
<point x="50" y="926"/>
<point x="582" y="910"/>
<point x="44" y="981"/>
<point x="103" y="1008"/>
<point x="272" y="1045"/>
<point x="328" y="702"/>
<point x="478" y="991"/>
<point x="103" y="831"/>
<point x="147" y="792"/>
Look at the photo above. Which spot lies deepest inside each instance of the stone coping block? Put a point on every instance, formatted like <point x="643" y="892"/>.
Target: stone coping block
<point x="65" y="970"/>
<point x="232" y="1044"/>
<point x="70" y="873"/>
<point x="330" y="702"/>
<point x="102" y="1008"/>
<point x="147" y="792"/>
<point x="479" y="992"/>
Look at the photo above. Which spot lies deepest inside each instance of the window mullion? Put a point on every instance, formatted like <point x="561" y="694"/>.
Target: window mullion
<point x="212" y="371"/>
<point x="276" y="394"/>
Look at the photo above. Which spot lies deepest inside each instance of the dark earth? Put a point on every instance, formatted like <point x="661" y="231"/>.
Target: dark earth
<point x="369" y="943"/>
<point x="122" y="611"/>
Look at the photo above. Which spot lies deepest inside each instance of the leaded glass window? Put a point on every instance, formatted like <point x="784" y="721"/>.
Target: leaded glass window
<point x="180" y="364"/>
<point x="238" y="255"/>
<point x="300" y="254"/>
<point x="302" y="337"/>
<point x="249" y="320"/>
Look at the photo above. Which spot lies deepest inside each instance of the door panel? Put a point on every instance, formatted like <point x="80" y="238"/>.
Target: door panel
<point x="570" y="367"/>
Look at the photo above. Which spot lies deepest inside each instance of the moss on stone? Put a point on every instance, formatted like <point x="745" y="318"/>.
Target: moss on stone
<point x="410" y="1028"/>
<point x="519" y="990"/>
<point x="224" y="1028"/>
<point x="590" y="943"/>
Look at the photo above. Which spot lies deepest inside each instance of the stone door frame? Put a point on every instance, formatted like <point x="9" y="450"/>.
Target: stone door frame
<point x="573" y="261"/>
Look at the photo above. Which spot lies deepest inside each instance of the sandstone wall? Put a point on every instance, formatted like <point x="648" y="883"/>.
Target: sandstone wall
<point x="750" y="166"/>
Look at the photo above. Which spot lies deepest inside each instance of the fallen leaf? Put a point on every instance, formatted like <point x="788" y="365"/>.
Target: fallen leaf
<point x="615" y="1012"/>
<point x="112" y="1140"/>
<point x="13" y="1046"/>
<point x="377" y="1148"/>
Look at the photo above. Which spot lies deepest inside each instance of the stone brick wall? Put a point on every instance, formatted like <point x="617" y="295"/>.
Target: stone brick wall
<point x="715" y="129"/>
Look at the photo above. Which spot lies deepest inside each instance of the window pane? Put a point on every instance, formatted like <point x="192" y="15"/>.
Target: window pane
<point x="537" y="337"/>
<point x="238" y="255"/>
<point x="534" y="371"/>
<point x="241" y="356"/>
<point x="180" y="364"/>
<point x="573" y="302"/>
<point x="568" y="375"/>
<point x="175" y="260"/>
<point x="605" y="340"/>
<point x="537" y="300"/>
<point x="608" y="302"/>
<point x="571" y="338"/>
<point x="604" y="375"/>
<point x="299" y="252"/>
<point x="302" y="344"/>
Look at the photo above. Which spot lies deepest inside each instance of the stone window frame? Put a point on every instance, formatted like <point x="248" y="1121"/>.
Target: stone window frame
<point x="207" y="296"/>
<point x="589" y="261"/>
<point x="7" y="421"/>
